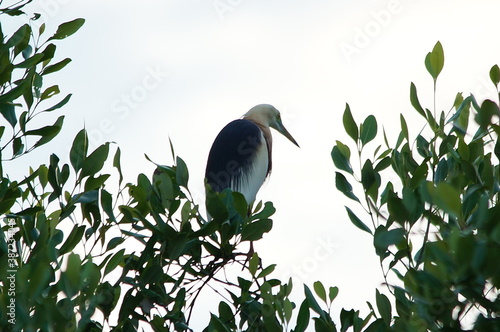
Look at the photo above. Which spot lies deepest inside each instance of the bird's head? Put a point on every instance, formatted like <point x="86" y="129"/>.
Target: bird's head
<point x="268" y="116"/>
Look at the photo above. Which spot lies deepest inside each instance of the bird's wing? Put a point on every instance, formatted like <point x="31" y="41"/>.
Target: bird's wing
<point x="238" y="159"/>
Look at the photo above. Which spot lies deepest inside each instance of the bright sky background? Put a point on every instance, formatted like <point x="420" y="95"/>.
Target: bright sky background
<point x="146" y="71"/>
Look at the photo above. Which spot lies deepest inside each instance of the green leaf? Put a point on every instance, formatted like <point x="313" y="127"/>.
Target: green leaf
<point x="107" y="204"/>
<point x="48" y="52"/>
<point x="461" y="117"/>
<point x="340" y="160"/>
<point x="49" y="92"/>
<point x="68" y="28"/>
<point x="72" y="275"/>
<point x="255" y="230"/>
<point x="56" y="67"/>
<point x="313" y="304"/>
<point x="414" y="100"/>
<point x="59" y="104"/>
<point x="349" y="124"/>
<point x="19" y="39"/>
<point x="487" y="110"/>
<point x="181" y="172"/>
<point x="344" y="149"/>
<point x="370" y="180"/>
<point x="267" y="271"/>
<point x="86" y="197"/>
<point x="215" y="207"/>
<point x="17" y="146"/>
<point x="384" y="238"/>
<point x="79" y="149"/>
<point x="434" y="61"/>
<point x="266" y="212"/>
<point x="495" y="75"/>
<point x="93" y="183"/>
<point x="117" y="165"/>
<point x="303" y="317"/>
<point x="431" y="120"/>
<point x="177" y="245"/>
<point x="404" y="127"/>
<point x="446" y="197"/>
<point x="73" y="239"/>
<point x="8" y="111"/>
<point x="253" y="265"/>
<point x="225" y="311"/>
<point x="344" y="186"/>
<point x="28" y="50"/>
<point x="13" y="94"/>
<point x="333" y="292"/>
<point x="30" y="62"/>
<point x="114" y="262"/>
<point x="319" y="289"/>
<point x="95" y="161"/>
<point x="384" y="307"/>
<point x="47" y="132"/>
<point x="396" y="208"/>
<point x="383" y="164"/>
<point x="357" y="222"/>
<point x="216" y="324"/>
<point x="240" y="204"/>
<point x="368" y="129"/>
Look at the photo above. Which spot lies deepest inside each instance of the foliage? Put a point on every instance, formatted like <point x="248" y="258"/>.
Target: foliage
<point x="76" y="255"/>
<point x="434" y="222"/>
<point x="82" y="251"/>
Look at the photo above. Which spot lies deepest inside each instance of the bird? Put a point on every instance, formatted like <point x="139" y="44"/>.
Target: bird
<point x="241" y="155"/>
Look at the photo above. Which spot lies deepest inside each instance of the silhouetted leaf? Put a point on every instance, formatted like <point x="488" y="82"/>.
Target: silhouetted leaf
<point x="49" y="92"/>
<point x="303" y="317"/>
<point x="357" y="222"/>
<point x="349" y="124"/>
<point x="68" y="28"/>
<point x="495" y="75"/>
<point x="59" y="104"/>
<point x="340" y="160"/>
<point x="181" y="172"/>
<point x="79" y="150"/>
<point x="414" y="100"/>
<point x="71" y="276"/>
<point x="255" y="230"/>
<point x="434" y="61"/>
<point x="368" y="129"/>
<point x="117" y="165"/>
<point x="332" y="293"/>
<point x="384" y="307"/>
<point x="73" y="239"/>
<point x="47" y="132"/>
<point x="8" y="111"/>
<point x="115" y="260"/>
<point x="344" y="186"/>
<point x="313" y="304"/>
<point x="56" y="67"/>
<point x="94" y="162"/>
<point x="384" y="238"/>
<point x="319" y="289"/>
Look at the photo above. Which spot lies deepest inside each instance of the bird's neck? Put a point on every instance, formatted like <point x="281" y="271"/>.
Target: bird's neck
<point x="266" y="131"/>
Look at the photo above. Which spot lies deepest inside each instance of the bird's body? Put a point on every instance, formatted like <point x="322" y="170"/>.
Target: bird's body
<point x="241" y="155"/>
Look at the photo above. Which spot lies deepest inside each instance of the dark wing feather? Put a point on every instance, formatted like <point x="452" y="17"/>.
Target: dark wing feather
<point x="232" y="155"/>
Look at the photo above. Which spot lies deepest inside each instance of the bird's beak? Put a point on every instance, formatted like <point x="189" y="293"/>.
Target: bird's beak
<point x="279" y="127"/>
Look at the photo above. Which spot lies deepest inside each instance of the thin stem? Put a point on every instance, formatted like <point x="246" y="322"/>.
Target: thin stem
<point x="426" y="237"/>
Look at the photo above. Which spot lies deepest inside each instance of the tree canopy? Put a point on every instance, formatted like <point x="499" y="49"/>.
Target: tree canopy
<point x="78" y="256"/>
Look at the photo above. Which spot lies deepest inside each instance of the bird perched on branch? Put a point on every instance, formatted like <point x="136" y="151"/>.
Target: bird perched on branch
<point x="241" y="155"/>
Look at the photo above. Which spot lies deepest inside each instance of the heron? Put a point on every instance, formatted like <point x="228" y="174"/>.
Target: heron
<point x="241" y="155"/>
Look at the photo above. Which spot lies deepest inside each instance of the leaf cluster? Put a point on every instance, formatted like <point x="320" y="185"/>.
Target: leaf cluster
<point x="433" y="221"/>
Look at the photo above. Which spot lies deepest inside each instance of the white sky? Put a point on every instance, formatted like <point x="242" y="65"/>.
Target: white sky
<point x="183" y="69"/>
